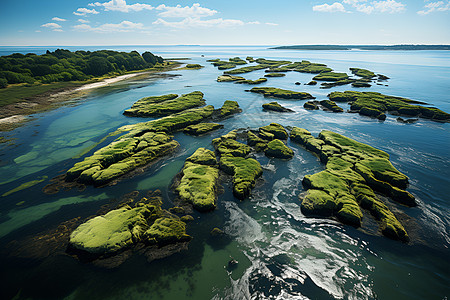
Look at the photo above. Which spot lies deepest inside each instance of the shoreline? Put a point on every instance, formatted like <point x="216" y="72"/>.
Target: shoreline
<point x="16" y="114"/>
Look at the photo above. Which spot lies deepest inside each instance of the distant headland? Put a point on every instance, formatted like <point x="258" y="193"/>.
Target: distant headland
<point x="364" y="47"/>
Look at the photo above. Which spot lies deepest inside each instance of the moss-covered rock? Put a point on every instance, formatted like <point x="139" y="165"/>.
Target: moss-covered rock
<point x="167" y="231"/>
<point x="125" y="227"/>
<point x="312" y="82"/>
<point x="360" y="84"/>
<point x="331" y="105"/>
<point x="198" y="183"/>
<point x="331" y="76"/>
<point x="311" y="105"/>
<point x="192" y="67"/>
<point x="201" y="128"/>
<point x="278" y="149"/>
<point x="275" y="130"/>
<point x="248" y="81"/>
<point x="353" y="171"/>
<point x="228" y="108"/>
<point x="275" y="106"/>
<point x="376" y="105"/>
<point x="229" y="78"/>
<point x="280" y="93"/>
<point x="314" y="68"/>
<point x="152" y="106"/>
<point x="362" y="73"/>
<point x="245" y="171"/>
<point x="274" y="75"/>
<point x="228" y="146"/>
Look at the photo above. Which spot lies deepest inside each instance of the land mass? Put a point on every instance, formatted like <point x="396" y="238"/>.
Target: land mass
<point x="364" y="47"/>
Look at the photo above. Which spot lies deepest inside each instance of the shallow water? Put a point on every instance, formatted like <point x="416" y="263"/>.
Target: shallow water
<point x="281" y="253"/>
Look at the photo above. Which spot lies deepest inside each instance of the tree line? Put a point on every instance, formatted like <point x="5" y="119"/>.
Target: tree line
<point x="64" y="65"/>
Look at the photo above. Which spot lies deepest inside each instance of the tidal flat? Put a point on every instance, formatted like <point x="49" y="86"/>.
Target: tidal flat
<point x="342" y="197"/>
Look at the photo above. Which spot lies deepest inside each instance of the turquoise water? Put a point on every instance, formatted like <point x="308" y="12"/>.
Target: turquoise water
<point x="281" y="253"/>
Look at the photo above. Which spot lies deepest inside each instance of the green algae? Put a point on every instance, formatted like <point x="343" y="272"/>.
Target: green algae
<point x="362" y="73"/>
<point x="353" y="171"/>
<point x="275" y="106"/>
<point x="153" y="106"/>
<point x="331" y="76"/>
<point x="198" y="184"/>
<point x="274" y="75"/>
<point x="245" y="171"/>
<point x="24" y="186"/>
<point x="248" y="81"/>
<point x="376" y="105"/>
<point x="201" y="128"/>
<point x="278" y="149"/>
<point x="124" y="227"/>
<point x="331" y="105"/>
<point x="229" y="108"/>
<point x="281" y="93"/>
<point x="274" y="130"/>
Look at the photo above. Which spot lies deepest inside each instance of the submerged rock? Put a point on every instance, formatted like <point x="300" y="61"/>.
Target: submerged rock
<point x="353" y="171"/>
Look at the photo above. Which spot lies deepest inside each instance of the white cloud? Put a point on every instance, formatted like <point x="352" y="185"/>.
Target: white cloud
<point x="124" y="26"/>
<point x="51" y="25"/>
<point x="386" y="6"/>
<point x="83" y="21"/>
<point x="37" y="31"/>
<point x="196" y="22"/>
<point x="254" y="23"/>
<point x="121" y="5"/>
<point x="272" y="24"/>
<point x="195" y="11"/>
<point x="58" y="19"/>
<point x="58" y="30"/>
<point x="84" y="11"/>
<point x="435" y="6"/>
<point x="335" y="7"/>
<point x="389" y="6"/>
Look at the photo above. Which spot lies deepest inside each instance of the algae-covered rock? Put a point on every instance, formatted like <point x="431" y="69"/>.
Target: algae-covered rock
<point x="312" y="82"/>
<point x="275" y="130"/>
<point x="201" y="128"/>
<point x="153" y="106"/>
<point x="248" y="81"/>
<point x="278" y="149"/>
<point x="229" y="108"/>
<point x="376" y="105"/>
<point x="362" y="73"/>
<point x="331" y="105"/>
<point x="203" y="156"/>
<point x="167" y="231"/>
<point x="353" y="171"/>
<point x="232" y="147"/>
<point x="229" y="78"/>
<point x="245" y="171"/>
<point x="193" y="67"/>
<point x="331" y="76"/>
<point x="275" y="106"/>
<point x="116" y="230"/>
<point x="280" y="93"/>
<point x="274" y="75"/>
<point x="360" y="84"/>
<point x="198" y="183"/>
<point x="311" y="105"/>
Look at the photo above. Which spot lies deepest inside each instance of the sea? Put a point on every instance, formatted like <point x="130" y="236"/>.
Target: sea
<point x="281" y="253"/>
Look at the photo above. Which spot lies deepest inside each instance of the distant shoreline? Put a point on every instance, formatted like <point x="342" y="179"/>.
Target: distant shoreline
<point x="364" y="47"/>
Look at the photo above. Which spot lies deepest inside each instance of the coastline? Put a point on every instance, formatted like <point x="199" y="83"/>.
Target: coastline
<point x="16" y="114"/>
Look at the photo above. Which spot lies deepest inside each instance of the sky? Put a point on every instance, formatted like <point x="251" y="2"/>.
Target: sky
<point x="229" y="22"/>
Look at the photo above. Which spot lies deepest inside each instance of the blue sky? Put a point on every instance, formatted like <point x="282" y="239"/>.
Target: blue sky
<point x="231" y="22"/>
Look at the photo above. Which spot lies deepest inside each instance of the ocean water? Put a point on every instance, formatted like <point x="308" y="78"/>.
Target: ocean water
<point x="281" y="253"/>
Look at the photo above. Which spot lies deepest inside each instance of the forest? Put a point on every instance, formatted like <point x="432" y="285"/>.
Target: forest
<point x="64" y="65"/>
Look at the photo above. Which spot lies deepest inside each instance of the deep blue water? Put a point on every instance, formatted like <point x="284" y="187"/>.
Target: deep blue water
<point x="282" y="254"/>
